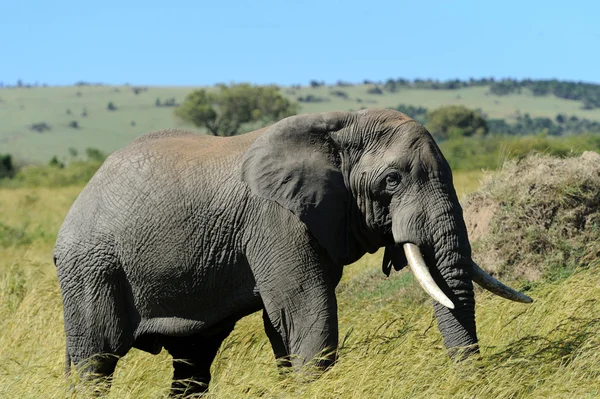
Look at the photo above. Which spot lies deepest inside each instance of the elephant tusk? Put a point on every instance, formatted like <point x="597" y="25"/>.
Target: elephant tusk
<point x="421" y="272"/>
<point x="486" y="281"/>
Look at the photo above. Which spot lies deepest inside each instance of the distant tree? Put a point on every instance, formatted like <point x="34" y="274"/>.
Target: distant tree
<point x="132" y="124"/>
<point x="375" y="90"/>
<point x="84" y="112"/>
<point x="138" y="90"/>
<point x="74" y="125"/>
<point x="54" y="162"/>
<point x="40" y="127"/>
<point x="69" y="111"/>
<point x="157" y="102"/>
<point x="316" y="83"/>
<point x="73" y="152"/>
<point x="111" y="106"/>
<point x="223" y="113"/>
<point x="94" y="154"/>
<point x="339" y="93"/>
<point x="309" y="98"/>
<point x="7" y="169"/>
<point x="455" y="121"/>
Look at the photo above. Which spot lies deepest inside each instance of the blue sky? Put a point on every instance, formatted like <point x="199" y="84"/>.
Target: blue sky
<point x="287" y="42"/>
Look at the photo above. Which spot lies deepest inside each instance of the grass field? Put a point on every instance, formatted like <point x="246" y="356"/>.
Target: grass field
<point x="110" y="130"/>
<point x="390" y="345"/>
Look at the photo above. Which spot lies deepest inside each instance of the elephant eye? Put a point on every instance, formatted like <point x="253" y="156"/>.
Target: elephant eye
<point x="392" y="180"/>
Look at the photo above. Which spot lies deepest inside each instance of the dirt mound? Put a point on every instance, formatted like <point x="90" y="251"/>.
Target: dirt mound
<point x="538" y="217"/>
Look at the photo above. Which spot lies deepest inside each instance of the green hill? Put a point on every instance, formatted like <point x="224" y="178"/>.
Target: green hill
<point x="53" y="110"/>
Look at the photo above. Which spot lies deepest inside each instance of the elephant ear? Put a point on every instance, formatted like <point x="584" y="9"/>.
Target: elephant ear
<point x="296" y="164"/>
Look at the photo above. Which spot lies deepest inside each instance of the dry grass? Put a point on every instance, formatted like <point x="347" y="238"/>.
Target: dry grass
<point x="391" y="347"/>
<point x="546" y="216"/>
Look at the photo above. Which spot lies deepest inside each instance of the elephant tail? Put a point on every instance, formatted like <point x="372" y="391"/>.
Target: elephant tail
<point x="67" y="363"/>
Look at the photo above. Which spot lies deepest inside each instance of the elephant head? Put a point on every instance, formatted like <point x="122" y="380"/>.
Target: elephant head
<point x="371" y="179"/>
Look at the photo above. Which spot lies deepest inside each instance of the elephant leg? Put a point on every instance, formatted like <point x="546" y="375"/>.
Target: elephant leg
<point x="301" y="307"/>
<point x="192" y="357"/>
<point x="279" y="349"/>
<point x="97" y="324"/>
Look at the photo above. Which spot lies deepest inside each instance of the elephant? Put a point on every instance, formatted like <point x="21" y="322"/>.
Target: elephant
<point x="179" y="235"/>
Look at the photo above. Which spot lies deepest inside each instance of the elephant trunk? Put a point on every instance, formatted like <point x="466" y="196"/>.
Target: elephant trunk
<point x="447" y="269"/>
<point x="451" y="267"/>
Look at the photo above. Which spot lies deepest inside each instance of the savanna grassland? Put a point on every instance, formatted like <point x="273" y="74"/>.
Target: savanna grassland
<point x="533" y="220"/>
<point x="390" y="345"/>
<point x="135" y="111"/>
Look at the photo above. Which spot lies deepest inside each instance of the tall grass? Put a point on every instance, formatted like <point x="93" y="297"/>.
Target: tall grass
<point x="390" y="345"/>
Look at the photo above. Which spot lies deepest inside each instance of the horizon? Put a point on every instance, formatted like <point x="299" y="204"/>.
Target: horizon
<point x="34" y="84"/>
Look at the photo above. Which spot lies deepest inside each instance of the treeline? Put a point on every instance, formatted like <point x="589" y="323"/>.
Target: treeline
<point x="562" y="124"/>
<point x="588" y="93"/>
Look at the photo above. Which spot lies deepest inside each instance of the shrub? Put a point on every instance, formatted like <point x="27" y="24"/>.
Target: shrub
<point x="7" y="169"/>
<point x="40" y="127"/>
<point x="55" y="163"/>
<point x="339" y="93"/>
<point x="309" y="98"/>
<point x="111" y="106"/>
<point x="375" y="90"/>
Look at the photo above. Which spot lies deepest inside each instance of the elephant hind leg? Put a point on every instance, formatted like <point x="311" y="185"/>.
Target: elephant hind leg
<point x="98" y="323"/>
<point x="192" y="357"/>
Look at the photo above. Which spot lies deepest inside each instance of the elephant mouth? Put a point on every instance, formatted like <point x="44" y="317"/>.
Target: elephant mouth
<point x="421" y="272"/>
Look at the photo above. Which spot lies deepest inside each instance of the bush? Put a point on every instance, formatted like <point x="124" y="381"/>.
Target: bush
<point x="375" y="90"/>
<point x="74" y="125"/>
<point x="55" y="163"/>
<point x="7" y="169"/>
<point x="111" y="106"/>
<point x="339" y="93"/>
<point x="309" y="98"/>
<point x="40" y="127"/>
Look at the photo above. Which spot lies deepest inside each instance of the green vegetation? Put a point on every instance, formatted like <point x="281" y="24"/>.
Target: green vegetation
<point x="223" y="113"/>
<point x="56" y="173"/>
<point x="7" y="169"/>
<point x="490" y="152"/>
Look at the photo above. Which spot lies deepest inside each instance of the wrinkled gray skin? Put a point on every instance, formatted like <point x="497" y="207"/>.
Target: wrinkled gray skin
<point x="178" y="236"/>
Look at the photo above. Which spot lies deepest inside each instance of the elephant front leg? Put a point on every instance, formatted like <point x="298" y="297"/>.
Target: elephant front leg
<point x="301" y="323"/>
<point x="279" y="348"/>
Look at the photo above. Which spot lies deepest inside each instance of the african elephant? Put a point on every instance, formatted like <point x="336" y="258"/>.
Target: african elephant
<point x="179" y="235"/>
